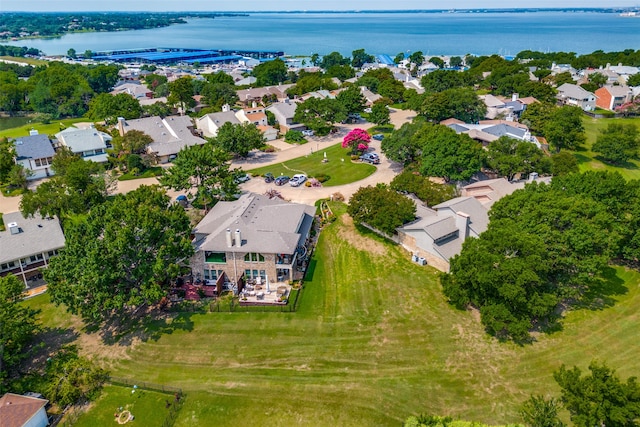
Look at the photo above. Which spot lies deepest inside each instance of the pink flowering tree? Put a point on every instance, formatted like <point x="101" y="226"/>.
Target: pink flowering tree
<point x="357" y="141"/>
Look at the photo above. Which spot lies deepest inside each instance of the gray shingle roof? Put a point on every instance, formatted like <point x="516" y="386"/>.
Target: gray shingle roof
<point x="33" y="147"/>
<point x="79" y="140"/>
<point x="505" y="130"/>
<point x="478" y="214"/>
<point x="285" y="109"/>
<point x="574" y="91"/>
<point x="38" y="235"/>
<point x="267" y="226"/>
<point x="169" y="135"/>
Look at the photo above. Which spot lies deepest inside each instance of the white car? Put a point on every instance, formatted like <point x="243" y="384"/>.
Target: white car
<point x="297" y="180"/>
<point x="307" y="132"/>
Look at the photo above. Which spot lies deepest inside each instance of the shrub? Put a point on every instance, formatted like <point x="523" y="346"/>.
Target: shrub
<point x="322" y="178"/>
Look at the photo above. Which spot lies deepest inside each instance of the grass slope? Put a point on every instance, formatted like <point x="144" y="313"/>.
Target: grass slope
<point x="588" y="160"/>
<point x="373" y="342"/>
<point x="42" y="128"/>
<point x="339" y="168"/>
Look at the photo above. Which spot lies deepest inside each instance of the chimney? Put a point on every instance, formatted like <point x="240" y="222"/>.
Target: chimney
<point x="229" y="241"/>
<point x="225" y="108"/>
<point x="238" y="238"/>
<point x="514" y="97"/>
<point x="33" y="132"/>
<point x="462" y="223"/>
<point x="533" y="176"/>
<point x="121" y="125"/>
<point x="253" y="104"/>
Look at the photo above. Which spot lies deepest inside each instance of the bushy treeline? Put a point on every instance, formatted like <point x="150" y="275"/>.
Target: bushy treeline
<point x="548" y="247"/>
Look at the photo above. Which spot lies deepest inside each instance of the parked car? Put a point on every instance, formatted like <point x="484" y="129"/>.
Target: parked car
<point x="281" y="180"/>
<point x="307" y="132"/>
<point x="298" y="179"/>
<point x="372" y="158"/>
<point x="242" y="178"/>
<point x="268" y="177"/>
<point x="378" y="136"/>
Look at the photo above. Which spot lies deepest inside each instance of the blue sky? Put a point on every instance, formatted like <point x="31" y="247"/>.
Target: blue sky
<point x="181" y="5"/>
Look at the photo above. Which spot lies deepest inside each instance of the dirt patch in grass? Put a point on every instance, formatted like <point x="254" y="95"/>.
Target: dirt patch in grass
<point x="349" y="233"/>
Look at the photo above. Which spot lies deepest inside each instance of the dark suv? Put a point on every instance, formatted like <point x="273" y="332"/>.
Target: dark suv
<point x="282" y="180"/>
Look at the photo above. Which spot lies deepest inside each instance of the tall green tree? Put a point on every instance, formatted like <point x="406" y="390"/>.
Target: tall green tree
<point x="381" y="208"/>
<point x="617" y="143"/>
<point x="460" y="103"/>
<point x="59" y="90"/>
<point x="380" y="114"/>
<point x="320" y="115"/>
<point x="352" y="100"/>
<point x="7" y="154"/>
<point x="600" y="398"/>
<point x="333" y="58"/>
<point x="18" y="326"/>
<point x="565" y="129"/>
<point x="270" y="73"/>
<point x="205" y="169"/>
<point x="181" y="93"/>
<point x="121" y="256"/>
<point x="508" y="157"/>
<point x="360" y="57"/>
<point x="449" y="155"/>
<point x="109" y="107"/>
<point x="239" y="139"/>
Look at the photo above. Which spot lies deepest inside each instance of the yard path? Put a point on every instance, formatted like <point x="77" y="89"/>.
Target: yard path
<point x="385" y="172"/>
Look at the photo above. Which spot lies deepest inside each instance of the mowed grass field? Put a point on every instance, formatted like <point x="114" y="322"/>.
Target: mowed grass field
<point x="43" y="128"/>
<point x="373" y="342"/>
<point x="339" y="167"/>
<point x="588" y="160"/>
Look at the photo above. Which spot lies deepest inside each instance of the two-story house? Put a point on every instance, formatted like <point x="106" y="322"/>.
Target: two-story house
<point x="250" y="238"/>
<point x="89" y="143"/>
<point x="26" y="245"/>
<point x="35" y="153"/>
<point x="612" y="97"/>
<point x="570" y="94"/>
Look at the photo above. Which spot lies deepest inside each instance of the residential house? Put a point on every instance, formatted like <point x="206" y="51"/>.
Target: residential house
<point x="250" y="238"/>
<point x="26" y="245"/>
<point x="369" y="97"/>
<point x="136" y="90"/>
<point x="249" y="96"/>
<point x="611" y="76"/>
<point x="35" y="153"/>
<point x="612" y="97"/>
<point x="23" y="411"/>
<point x="170" y="135"/>
<point x="487" y="131"/>
<point x="570" y="94"/>
<point x="211" y="123"/>
<point x="437" y="234"/>
<point x="253" y="114"/>
<point x="490" y="191"/>
<point x="89" y="143"/>
<point x="284" y="113"/>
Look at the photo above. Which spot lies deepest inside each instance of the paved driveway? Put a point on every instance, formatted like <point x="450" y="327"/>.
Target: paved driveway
<point x="385" y="173"/>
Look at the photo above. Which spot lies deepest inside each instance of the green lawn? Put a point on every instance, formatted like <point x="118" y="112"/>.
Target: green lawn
<point x="147" y="407"/>
<point x="373" y="342"/>
<point x="587" y="159"/>
<point x="25" y="61"/>
<point x="339" y="167"/>
<point x="43" y="128"/>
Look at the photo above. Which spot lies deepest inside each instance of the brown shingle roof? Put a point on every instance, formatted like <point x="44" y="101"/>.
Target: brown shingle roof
<point x="16" y="410"/>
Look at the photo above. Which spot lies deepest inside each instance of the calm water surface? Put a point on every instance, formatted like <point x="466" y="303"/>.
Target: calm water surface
<point x="432" y="33"/>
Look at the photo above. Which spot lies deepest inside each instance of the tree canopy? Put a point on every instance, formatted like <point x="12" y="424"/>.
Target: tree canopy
<point x="600" y="398"/>
<point x="508" y="157"/>
<point x="109" y="107"/>
<point x="122" y="255"/>
<point x="381" y="208"/>
<point x="617" y="143"/>
<point x="320" y="115"/>
<point x="239" y="139"/>
<point x="270" y="73"/>
<point x="18" y="325"/>
<point x="460" y="103"/>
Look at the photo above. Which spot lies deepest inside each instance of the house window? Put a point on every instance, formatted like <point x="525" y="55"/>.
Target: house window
<point x="99" y="151"/>
<point x="49" y="160"/>
<point x="254" y="257"/>
<point x="212" y="274"/>
<point x="38" y="162"/>
<point x="216" y="257"/>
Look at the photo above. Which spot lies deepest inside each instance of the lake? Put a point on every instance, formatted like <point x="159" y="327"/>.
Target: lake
<point x="390" y="33"/>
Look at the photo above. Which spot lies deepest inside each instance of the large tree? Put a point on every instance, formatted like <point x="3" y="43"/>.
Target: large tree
<point x="449" y="155"/>
<point x="18" y="325"/>
<point x="352" y="100"/>
<point x="565" y="130"/>
<point x="205" y="169"/>
<point x="600" y="398"/>
<point x="617" y="143"/>
<point x="359" y="57"/>
<point x="239" y="139"/>
<point x="380" y="114"/>
<point x="109" y="107"/>
<point x="381" y="208"/>
<point x="79" y="186"/>
<point x="270" y="73"/>
<point x="460" y="103"/>
<point x="508" y="157"/>
<point x="7" y="154"/>
<point x="320" y="115"/>
<point x="181" y="93"/>
<point x="120" y="256"/>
